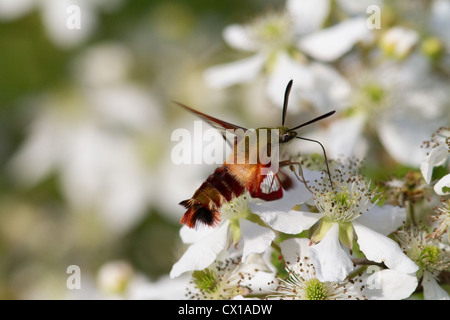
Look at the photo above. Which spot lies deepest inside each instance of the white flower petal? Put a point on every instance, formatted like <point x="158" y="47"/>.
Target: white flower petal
<point x="202" y="253"/>
<point x="354" y="7"/>
<point x="56" y="19"/>
<point x="399" y="41"/>
<point x="237" y="37"/>
<point x="380" y="248"/>
<point x="385" y="219"/>
<point x="400" y="132"/>
<point x="163" y="288"/>
<point x="262" y="280"/>
<point x="389" y="285"/>
<point x="442" y="187"/>
<point x="440" y="23"/>
<point x="436" y="157"/>
<point x="308" y="15"/>
<point x="331" y="262"/>
<point x="286" y="68"/>
<point x="291" y="222"/>
<point x="295" y="249"/>
<point x="431" y="289"/>
<point x="298" y="194"/>
<point x="344" y="137"/>
<point x="330" y="44"/>
<point x="315" y="84"/>
<point x="103" y="65"/>
<point x="332" y="91"/>
<point x="225" y="75"/>
<point x="191" y="235"/>
<point x="255" y="238"/>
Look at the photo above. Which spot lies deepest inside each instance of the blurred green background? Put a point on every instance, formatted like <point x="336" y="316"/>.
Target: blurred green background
<point x="167" y="44"/>
<point x="85" y="127"/>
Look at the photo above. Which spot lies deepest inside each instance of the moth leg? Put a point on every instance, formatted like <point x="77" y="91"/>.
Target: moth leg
<point x="300" y="178"/>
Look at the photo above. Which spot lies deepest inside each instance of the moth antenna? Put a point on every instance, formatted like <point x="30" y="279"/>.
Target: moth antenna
<point x="313" y="120"/>
<point x="324" y="154"/>
<point x="286" y="100"/>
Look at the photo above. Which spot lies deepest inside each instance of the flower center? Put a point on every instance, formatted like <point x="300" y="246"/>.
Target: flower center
<point x="205" y="280"/>
<point x="315" y="290"/>
<point x="221" y="281"/>
<point x="370" y="98"/>
<point x="273" y="31"/>
<point x="430" y="254"/>
<point x="344" y="204"/>
<point x="424" y="251"/>
<point x="374" y="92"/>
<point x="342" y="199"/>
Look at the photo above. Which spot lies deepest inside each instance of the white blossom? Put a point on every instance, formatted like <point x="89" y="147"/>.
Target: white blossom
<point x="388" y="102"/>
<point x="430" y="255"/>
<point x="303" y="283"/>
<point x="57" y="14"/>
<point x="281" y="43"/>
<point x="206" y="243"/>
<point x="347" y="210"/>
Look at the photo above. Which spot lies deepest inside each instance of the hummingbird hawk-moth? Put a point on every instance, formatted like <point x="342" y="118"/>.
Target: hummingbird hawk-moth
<point x="232" y="179"/>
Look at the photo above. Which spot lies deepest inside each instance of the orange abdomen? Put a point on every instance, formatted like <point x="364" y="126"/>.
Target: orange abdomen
<point x="221" y="186"/>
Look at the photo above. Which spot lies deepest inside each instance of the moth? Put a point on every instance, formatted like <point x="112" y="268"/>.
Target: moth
<point x="233" y="177"/>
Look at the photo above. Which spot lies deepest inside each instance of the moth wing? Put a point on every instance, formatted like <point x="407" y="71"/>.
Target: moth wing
<point x="225" y="128"/>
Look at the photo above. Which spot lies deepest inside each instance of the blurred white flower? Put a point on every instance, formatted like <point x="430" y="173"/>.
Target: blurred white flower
<point x="119" y="280"/>
<point x="437" y="45"/>
<point x="432" y="257"/>
<point x="281" y="41"/>
<point x="90" y="139"/>
<point x="346" y="210"/>
<point x="164" y="288"/>
<point x="303" y="283"/>
<point x="57" y="13"/>
<point x="398" y="42"/>
<point x="113" y="277"/>
<point x="390" y="101"/>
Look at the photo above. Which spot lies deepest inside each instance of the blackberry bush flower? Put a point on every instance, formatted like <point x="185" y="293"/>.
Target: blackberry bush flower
<point x="239" y="225"/>
<point x="229" y="278"/>
<point x="207" y="243"/>
<point x="442" y="219"/>
<point x="282" y="43"/>
<point x="347" y="211"/>
<point x="430" y="255"/>
<point x="302" y="282"/>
